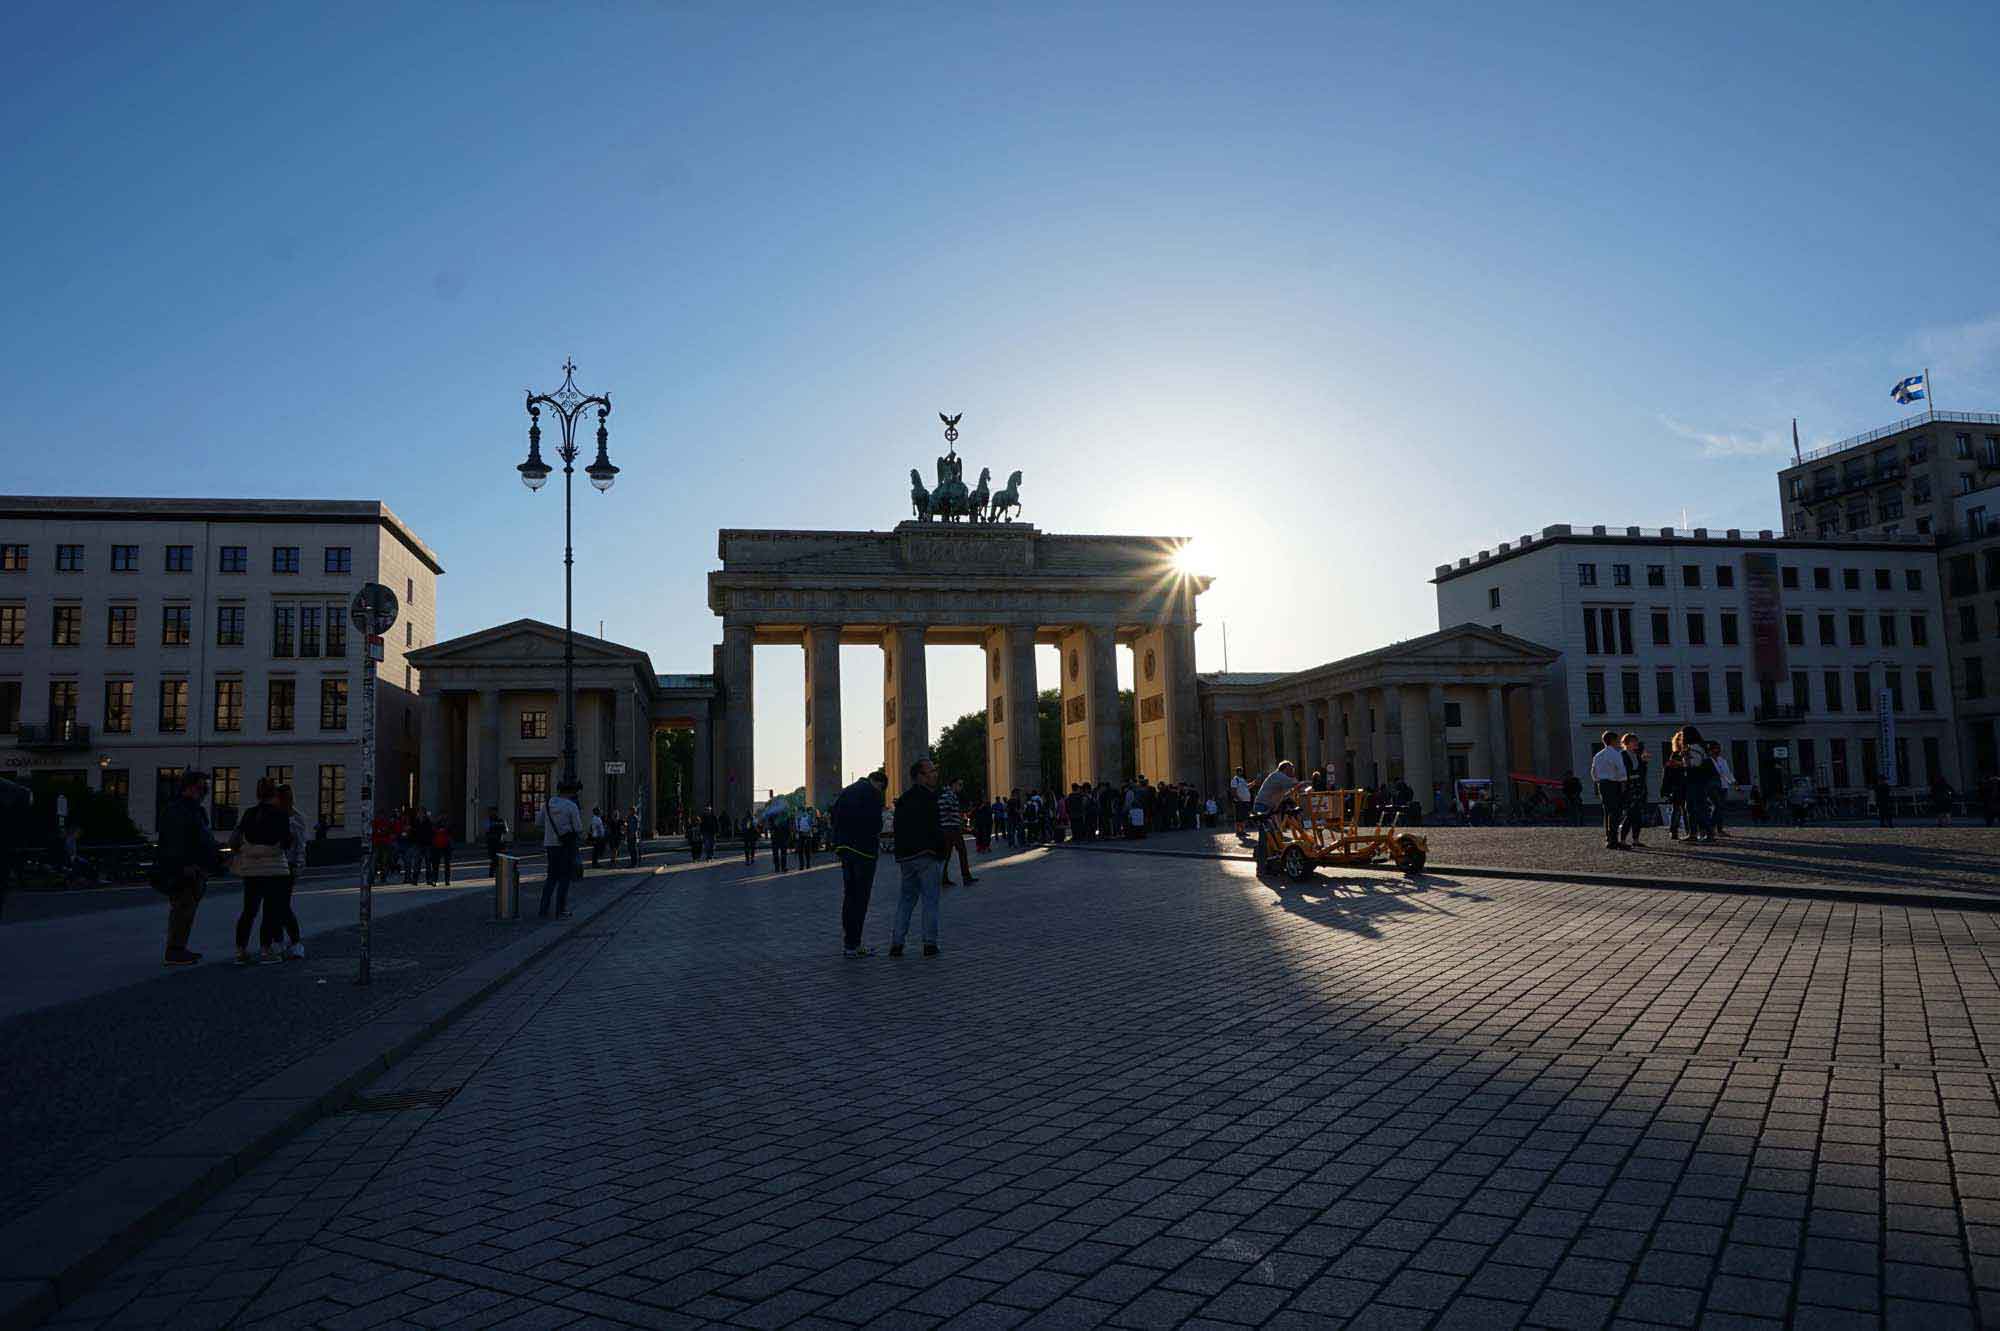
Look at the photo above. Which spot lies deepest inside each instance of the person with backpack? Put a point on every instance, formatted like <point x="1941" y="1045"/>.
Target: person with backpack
<point x="262" y="837"/>
<point x="186" y="859"/>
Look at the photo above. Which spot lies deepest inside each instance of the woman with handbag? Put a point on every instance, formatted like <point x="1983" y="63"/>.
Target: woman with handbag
<point x="263" y="835"/>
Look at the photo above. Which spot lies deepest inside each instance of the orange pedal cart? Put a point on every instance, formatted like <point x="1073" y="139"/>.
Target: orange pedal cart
<point x="1324" y="827"/>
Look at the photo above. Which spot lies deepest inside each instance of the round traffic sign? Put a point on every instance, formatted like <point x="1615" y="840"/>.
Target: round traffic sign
<point x="373" y="609"/>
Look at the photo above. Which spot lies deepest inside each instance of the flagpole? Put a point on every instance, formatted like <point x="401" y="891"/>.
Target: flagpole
<point x="1930" y="391"/>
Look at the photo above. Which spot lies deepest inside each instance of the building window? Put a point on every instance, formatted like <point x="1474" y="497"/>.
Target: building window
<point x="1789" y="577"/>
<point x="1656" y="575"/>
<point x="1702" y="702"/>
<point x="1621" y="575"/>
<point x="10" y="706"/>
<point x="118" y="706"/>
<point x="1965" y="483"/>
<point x="13" y="625"/>
<point x="69" y="559"/>
<point x="1729" y="634"/>
<point x="1975" y="677"/>
<point x="1882" y="581"/>
<point x="124" y="559"/>
<point x="333" y="704"/>
<point x="176" y="626"/>
<point x="1864" y="692"/>
<point x="409" y="635"/>
<point x="166" y="785"/>
<point x="228" y="704"/>
<point x="1795" y="630"/>
<point x="1663" y="686"/>
<point x="1850" y="579"/>
<point x="1607" y="630"/>
<point x="1993" y="568"/>
<point x="115" y="783"/>
<point x="1593" y="683"/>
<point x="1886" y="627"/>
<point x="1454" y="715"/>
<point x="1586" y="575"/>
<point x="409" y="591"/>
<point x="1892" y="680"/>
<point x="1492" y="598"/>
<point x="1697" y="628"/>
<point x="284" y="559"/>
<point x="1690" y="575"/>
<point x="308" y="630"/>
<point x="279" y="774"/>
<point x="1857" y="630"/>
<point x="534" y="723"/>
<point x="1920" y="631"/>
<point x="1822" y="579"/>
<point x="233" y="559"/>
<point x="1725" y="576"/>
<point x="1920" y="490"/>
<point x="1964" y="576"/>
<point x="1732" y="690"/>
<point x="340" y="559"/>
<point x="67" y="626"/>
<point x="225" y="793"/>
<point x="1662" y="628"/>
<point x="62" y="707"/>
<point x="333" y="794"/>
<point x="1739" y="760"/>
<point x="281" y="705"/>
<point x="121" y="627"/>
<point x="336" y="630"/>
<point x="229" y="626"/>
<point x="1628" y="688"/>
<point x="173" y="706"/>
<point x="1801" y="690"/>
<point x="180" y="559"/>
<point x="1961" y="444"/>
<point x="1830" y="685"/>
<point x="13" y="559"/>
<point x="282" y="620"/>
<point x="1968" y="623"/>
<point x="1836" y="755"/>
<point x="1926" y="692"/>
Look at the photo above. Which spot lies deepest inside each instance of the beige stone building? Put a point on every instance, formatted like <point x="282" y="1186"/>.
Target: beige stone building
<point x="141" y="637"/>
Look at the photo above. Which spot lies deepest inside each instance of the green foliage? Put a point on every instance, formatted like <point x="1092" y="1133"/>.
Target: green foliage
<point x="675" y="749"/>
<point x="960" y="750"/>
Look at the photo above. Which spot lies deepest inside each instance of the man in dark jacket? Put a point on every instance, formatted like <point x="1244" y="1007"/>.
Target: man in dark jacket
<point x="856" y="828"/>
<point x="187" y="856"/>
<point x="920" y="852"/>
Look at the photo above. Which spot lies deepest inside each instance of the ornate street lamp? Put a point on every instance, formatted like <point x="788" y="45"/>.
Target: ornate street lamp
<point x="568" y="403"/>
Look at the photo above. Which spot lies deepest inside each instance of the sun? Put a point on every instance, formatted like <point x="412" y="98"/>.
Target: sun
<point x="1191" y="558"/>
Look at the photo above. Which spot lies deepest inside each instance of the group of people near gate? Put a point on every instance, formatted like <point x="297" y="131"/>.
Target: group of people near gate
<point x="1090" y="812"/>
<point x="270" y="849"/>
<point x="1694" y="787"/>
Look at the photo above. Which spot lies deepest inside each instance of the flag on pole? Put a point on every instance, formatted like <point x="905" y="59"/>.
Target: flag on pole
<point x="1910" y="389"/>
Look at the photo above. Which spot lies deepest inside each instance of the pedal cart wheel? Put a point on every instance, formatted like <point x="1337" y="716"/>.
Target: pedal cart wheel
<point x="1295" y="864"/>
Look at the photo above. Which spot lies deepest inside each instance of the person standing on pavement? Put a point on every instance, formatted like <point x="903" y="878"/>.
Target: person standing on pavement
<point x="596" y="837"/>
<point x="1637" y="766"/>
<point x="749" y="834"/>
<point x="632" y="838"/>
<point x="1725" y="781"/>
<point x="952" y="820"/>
<point x="1239" y="796"/>
<point x="187" y="855"/>
<point x="278" y="910"/>
<point x="856" y="828"/>
<point x="1607" y="769"/>
<point x="802" y="837"/>
<point x="1672" y="777"/>
<point x="920" y="852"/>
<point x="440" y="852"/>
<point x="708" y="828"/>
<point x="261" y="838"/>
<point x="496" y="841"/>
<point x="562" y="839"/>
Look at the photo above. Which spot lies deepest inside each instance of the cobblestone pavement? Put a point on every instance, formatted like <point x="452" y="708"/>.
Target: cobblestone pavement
<point x="89" y="1081"/>
<point x="1145" y="1092"/>
<point x="1961" y="858"/>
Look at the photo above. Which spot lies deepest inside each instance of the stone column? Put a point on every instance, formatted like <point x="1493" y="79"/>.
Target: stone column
<point x="1440" y="752"/>
<point x="701" y="792"/>
<point x="1106" y="735"/>
<point x="490" y="794"/>
<point x="1087" y="661"/>
<point x="1415" y="719"/>
<point x="1496" y="739"/>
<point x="1315" y="752"/>
<point x="1288" y="737"/>
<point x="623" y="791"/>
<point x="1218" y="755"/>
<point x="1013" y="738"/>
<point x="906" y="722"/>
<point x="1183" y="704"/>
<point x="1336" y="742"/>
<point x="822" y="715"/>
<point x="738" y="794"/>
<point x="430" y="752"/>
<point x="1368" y="713"/>
<point x="1538" y="730"/>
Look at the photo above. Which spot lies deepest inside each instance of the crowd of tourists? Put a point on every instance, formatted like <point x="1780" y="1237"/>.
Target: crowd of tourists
<point x="269" y="845"/>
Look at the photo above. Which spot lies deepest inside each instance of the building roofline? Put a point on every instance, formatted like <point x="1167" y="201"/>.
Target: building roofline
<point x="121" y="509"/>
<point x="1669" y="538"/>
<point x="1908" y="423"/>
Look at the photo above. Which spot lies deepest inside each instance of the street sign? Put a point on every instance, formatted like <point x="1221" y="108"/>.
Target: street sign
<point x="374" y="646"/>
<point x="1781" y="751"/>
<point x="373" y="609"/>
<point x="614" y="769"/>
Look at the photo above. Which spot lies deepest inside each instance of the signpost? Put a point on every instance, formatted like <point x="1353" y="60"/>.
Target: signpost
<point x="373" y="613"/>
<point x="614" y="768"/>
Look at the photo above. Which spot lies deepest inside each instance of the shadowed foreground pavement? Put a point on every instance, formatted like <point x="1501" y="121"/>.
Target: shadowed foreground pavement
<point x="1141" y="1092"/>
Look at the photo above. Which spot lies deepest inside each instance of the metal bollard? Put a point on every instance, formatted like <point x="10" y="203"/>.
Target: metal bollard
<point x="507" y="889"/>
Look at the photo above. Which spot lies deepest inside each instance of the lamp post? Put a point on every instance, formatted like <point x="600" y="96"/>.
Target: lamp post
<point x="568" y="403"/>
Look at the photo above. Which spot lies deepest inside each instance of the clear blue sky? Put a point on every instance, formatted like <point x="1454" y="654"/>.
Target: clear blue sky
<point x="1386" y="283"/>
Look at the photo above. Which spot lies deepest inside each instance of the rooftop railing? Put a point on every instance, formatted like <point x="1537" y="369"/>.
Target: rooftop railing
<point x="1907" y="423"/>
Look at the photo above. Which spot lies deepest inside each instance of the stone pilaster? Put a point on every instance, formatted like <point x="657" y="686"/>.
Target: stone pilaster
<point x="1434" y="716"/>
<point x="739" y="746"/>
<point x="488" y="791"/>
<point x="431" y="753"/>
<point x="1497" y="740"/>
<point x="1415" y="727"/>
<point x="1336" y="741"/>
<point x="1013" y="739"/>
<point x="906" y="724"/>
<point x="822" y="715"/>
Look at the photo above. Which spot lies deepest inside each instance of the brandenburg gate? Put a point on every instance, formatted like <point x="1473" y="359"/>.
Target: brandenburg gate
<point x="1003" y="586"/>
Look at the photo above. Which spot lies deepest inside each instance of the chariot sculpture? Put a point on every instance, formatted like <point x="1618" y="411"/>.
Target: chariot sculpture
<point x="951" y="500"/>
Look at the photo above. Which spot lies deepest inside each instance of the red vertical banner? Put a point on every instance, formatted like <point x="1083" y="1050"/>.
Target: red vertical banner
<point x="1765" y="603"/>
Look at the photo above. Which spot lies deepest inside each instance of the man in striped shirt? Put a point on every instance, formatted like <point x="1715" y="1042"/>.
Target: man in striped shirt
<point x="952" y="820"/>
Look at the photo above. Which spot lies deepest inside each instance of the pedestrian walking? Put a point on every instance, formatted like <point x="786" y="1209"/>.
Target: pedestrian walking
<point x="1607" y="769"/>
<point x="920" y="852"/>
<point x="1637" y="766"/>
<point x="632" y="828"/>
<point x="186" y="857"/>
<point x="952" y="821"/>
<point x="781" y="842"/>
<point x="856" y="826"/>
<point x="440" y="852"/>
<point x="278" y="908"/>
<point x="562" y="839"/>
<point x="1725" y="781"/>
<point x="596" y="837"/>
<point x="261" y="838"/>
<point x="749" y="834"/>
<point x="1698" y="784"/>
